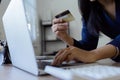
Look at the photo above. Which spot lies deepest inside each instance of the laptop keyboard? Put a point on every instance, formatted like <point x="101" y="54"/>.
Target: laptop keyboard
<point x="43" y="63"/>
<point x="44" y="57"/>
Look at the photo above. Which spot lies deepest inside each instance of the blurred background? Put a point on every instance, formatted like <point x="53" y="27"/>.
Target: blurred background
<point x="39" y="15"/>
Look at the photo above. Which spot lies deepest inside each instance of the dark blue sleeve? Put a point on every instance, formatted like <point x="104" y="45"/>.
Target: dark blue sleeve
<point x="116" y="43"/>
<point x="88" y="42"/>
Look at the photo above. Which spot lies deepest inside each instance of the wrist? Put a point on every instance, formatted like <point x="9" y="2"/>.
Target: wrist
<point x="69" y="41"/>
<point x="92" y="57"/>
<point x="116" y="53"/>
<point x="88" y="57"/>
<point x="94" y="54"/>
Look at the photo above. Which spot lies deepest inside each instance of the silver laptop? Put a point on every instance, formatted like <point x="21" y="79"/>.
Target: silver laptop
<point x="18" y="38"/>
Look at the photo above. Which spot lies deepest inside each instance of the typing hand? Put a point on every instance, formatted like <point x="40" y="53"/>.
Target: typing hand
<point x="72" y="53"/>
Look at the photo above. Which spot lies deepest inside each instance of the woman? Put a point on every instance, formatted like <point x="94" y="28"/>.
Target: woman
<point x="97" y="16"/>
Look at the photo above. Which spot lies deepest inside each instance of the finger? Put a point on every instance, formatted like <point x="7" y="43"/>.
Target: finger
<point x="57" y="62"/>
<point x="60" y="52"/>
<point x="61" y="57"/>
<point x="56" y="20"/>
<point x="63" y="24"/>
<point x="54" y="28"/>
<point x="60" y="27"/>
<point x="64" y="55"/>
<point x="56" y="57"/>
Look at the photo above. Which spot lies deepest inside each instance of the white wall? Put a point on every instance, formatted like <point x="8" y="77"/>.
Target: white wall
<point x="103" y="40"/>
<point x="3" y="7"/>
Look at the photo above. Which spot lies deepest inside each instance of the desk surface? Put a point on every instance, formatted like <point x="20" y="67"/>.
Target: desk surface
<point x="8" y="72"/>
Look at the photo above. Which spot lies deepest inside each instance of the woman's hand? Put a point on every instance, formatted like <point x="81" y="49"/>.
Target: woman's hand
<point x="60" y="28"/>
<point x="73" y="53"/>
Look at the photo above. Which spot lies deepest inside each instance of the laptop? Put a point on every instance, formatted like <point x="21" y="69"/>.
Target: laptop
<point x="18" y="38"/>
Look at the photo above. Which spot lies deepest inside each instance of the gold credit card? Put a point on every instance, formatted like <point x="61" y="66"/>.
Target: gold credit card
<point x="65" y="16"/>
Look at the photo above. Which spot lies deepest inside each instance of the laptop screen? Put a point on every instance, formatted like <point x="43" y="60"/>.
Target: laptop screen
<point x="18" y="37"/>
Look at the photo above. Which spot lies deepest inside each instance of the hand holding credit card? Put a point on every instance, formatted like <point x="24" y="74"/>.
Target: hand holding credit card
<point x="65" y="16"/>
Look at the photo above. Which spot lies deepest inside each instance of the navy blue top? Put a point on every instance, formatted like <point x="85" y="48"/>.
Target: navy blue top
<point x="90" y="42"/>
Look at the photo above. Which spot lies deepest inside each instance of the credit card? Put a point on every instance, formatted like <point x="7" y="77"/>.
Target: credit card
<point x="65" y="16"/>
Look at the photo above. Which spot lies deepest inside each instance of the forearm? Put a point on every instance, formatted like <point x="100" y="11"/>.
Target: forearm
<point x="69" y="40"/>
<point x="107" y="51"/>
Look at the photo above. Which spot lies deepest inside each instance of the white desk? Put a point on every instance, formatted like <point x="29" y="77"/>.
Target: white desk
<point x="8" y="72"/>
